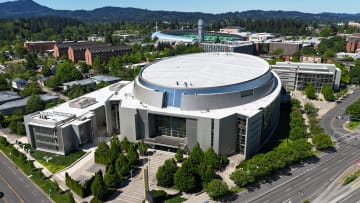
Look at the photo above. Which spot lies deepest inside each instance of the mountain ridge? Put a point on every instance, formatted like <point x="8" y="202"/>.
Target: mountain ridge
<point x="29" y="8"/>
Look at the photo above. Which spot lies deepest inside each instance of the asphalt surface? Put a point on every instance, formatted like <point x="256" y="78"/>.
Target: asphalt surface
<point x="16" y="187"/>
<point x="309" y="180"/>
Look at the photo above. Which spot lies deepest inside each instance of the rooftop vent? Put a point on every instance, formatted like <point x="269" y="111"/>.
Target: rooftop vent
<point x="82" y="102"/>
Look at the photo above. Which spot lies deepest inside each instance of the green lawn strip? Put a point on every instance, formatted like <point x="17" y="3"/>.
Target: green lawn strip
<point x="56" y="162"/>
<point x="353" y="124"/>
<point x="176" y="199"/>
<point x="48" y="186"/>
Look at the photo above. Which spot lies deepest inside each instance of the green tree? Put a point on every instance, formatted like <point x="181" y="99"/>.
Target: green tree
<point x="122" y="166"/>
<point x="355" y="73"/>
<point x="75" y="91"/>
<point x="115" y="148"/>
<point x="31" y="89"/>
<point x="217" y="189"/>
<point x="34" y="104"/>
<point x="102" y="153"/>
<point x="165" y="173"/>
<point x="142" y="148"/>
<point x="278" y="52"/>
<point x="310" y="91"/>
<point x="196" y="155"/>
<point x="322" y="141"/>
<point x="132" y="156"/>
<point x="308" y="51"/>
<point x="179" y="156"/>
<point x="111" y="178"/>
<point x="98" y="187"/>
<point x="4" y="85"/>
<point x="125" y="144"/>
<point x="345" y="75"/>
<point x="184" y="179"/>
<point x="211" y="159"/>
<point x="31" y="59"/>
<point x="328" y="92"/>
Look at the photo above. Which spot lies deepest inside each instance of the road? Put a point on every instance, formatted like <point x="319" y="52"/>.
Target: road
<point x="309" y="180"/>
<point x="17" y="188"/>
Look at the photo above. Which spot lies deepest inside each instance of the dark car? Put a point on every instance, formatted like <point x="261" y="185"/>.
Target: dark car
<point x="1" y="195"/>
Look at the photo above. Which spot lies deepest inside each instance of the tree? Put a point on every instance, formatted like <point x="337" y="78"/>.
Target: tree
<point x="4" y="85"/>
<point x="102" y="153"/>
<point x="328" y="92"/>
<point x="217" y="189"/>
<point x="31" y="59"/>
<point x="196" y="155"/>
<point x="98" y="187"/>
<point x="34" y="104"/>
<point x="115" y="148"/>
<point x="355" y="73"/>
<point x="184" y="179"/>
<point x="211" y="159"/>
<point x="278" y="52"/>
<point x="125" y="144"/>
<point x="165" y="173"/>
<point x="322" y="141"/>
<point x="122" y="166"/>
<point x="308" y="51"/>
<point x="142" y="148"/>
<point x="310" y="91"/>
<point x="31" y="89"/>
<point x="132" y="156"/>
<point x="179" y="156"/>
<point x="111" y="178"/>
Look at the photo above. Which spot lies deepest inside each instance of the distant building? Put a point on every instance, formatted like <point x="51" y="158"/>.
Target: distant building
<point x="76" y="52"/>
<point x="105" y="78"/>
<point x="288" y="48"/>
<point x="105" y="53"/>
<point x="353" y="43"/>
<point x="95" y="38"/>
<point x="310" y="59"/>
<point x="244" y="47"/>
<point x="84" y="83"/>
<point x="231" y="30"/>
<point x="18" y="83"/>
<point x="39" y="45"/>
<point x="10" y="107"/>
<point x="7" y="96"/>
<point x="61" y="48"/>
<point x="260" y="37"/>
<point x="296" y="76"/>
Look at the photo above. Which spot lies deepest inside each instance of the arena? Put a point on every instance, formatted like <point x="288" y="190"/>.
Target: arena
<point x="226" y="101"/>
<point x="229" y="102"/>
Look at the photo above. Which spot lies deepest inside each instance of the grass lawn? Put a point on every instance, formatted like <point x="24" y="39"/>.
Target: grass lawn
<point x="56" y="162"/>
<point x="353" y="124"/>
<point x="176" y="199"/>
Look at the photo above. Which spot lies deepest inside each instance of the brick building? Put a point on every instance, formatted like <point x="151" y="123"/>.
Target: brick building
<point x="61" y="48"/>
<point x="105" y="53"/>
<point x="76" y="52"/>
<point x="39" y="45"/>
<point x="353" y="43"/>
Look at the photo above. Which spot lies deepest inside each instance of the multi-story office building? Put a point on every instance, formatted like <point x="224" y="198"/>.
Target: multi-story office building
<point x="296" y="76"/>
<point x="226" y="101"/>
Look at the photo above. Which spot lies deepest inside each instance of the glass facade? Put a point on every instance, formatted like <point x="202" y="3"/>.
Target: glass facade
<point x="170" y="126"/>
<point x="46" y="138"/>
<point x="115" y="118"/>
<point x="241" y="134"/>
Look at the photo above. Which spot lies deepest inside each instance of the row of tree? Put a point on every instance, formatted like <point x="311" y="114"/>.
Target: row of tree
<point x="297" y="125"/>
<point x="265" y="164"/>
<point x="82" y="190"/>
<point x="195" y="173"/>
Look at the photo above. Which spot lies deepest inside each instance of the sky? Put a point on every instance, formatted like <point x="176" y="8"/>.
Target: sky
<point x="211" y="6"/>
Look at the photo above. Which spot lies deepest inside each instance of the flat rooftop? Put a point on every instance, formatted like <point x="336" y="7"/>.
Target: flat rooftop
<point x="205" y="70"/>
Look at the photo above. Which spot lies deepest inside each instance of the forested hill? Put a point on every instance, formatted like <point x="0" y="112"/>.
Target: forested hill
<point x="29" y="8"/>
